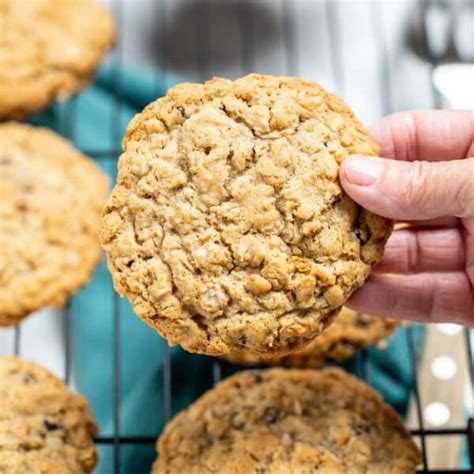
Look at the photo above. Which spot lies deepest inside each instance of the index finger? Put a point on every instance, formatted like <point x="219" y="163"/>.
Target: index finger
<point x="426" y="135"/>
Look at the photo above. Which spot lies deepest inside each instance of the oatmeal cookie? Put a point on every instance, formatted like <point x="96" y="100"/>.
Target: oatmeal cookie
<point x="349" y="333"/>
<point x="48" y="49"/>
<point x="51" y="198"/>
<point x="295" y="421"/>
<point x="44" y="428"/>
<point x="228" y="227"/>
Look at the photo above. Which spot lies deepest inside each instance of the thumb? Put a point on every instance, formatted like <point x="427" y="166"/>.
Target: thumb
<point x="415" y="190"/>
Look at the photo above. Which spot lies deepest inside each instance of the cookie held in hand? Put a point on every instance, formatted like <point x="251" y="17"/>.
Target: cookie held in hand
<point x="228" y="227"/>
<point x="287" y="420"/>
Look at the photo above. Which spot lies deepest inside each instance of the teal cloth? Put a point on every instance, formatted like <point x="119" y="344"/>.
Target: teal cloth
<point x="99" y="122"/>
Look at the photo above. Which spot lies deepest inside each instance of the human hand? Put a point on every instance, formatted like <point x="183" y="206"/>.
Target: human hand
<point x="427" y="181"/>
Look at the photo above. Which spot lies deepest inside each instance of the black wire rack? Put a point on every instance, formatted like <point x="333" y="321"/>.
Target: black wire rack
<point x="246" y="24"/>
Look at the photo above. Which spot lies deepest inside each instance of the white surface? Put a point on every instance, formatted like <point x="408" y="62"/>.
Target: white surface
<point x="443" y="367"/>
<point x="449" y="329"/>
<point x="437" y="414"/>
<point x="456" y="84"/>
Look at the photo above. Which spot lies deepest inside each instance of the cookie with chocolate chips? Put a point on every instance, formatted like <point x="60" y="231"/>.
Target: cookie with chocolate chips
<point x="228" y="227"/>
<point x="349" y="333"/>
<point x="287" y="420"/>
<point x="44" y="428"/>
<point x="51" y="198"/>
<point x="48" y="50"/>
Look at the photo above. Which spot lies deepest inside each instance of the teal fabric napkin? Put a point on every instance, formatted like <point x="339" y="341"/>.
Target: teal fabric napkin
<point x="95" y="120"/>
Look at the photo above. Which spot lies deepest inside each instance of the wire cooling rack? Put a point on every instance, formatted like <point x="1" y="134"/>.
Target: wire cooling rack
<point x="246" y="25"/>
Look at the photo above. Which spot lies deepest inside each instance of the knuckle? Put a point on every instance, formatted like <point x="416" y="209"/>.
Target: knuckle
<point x="464" y="194"/>
<point x="412" y="255"/>
<point x="417" y="192"/>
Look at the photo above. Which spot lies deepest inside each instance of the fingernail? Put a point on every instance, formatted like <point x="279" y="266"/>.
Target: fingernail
<point x="363" y="170"/>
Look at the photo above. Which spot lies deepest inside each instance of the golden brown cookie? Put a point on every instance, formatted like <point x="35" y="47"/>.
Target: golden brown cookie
<point x="349" y="333"/>
<point x="51" y="197"/>
<point x="287" y="421"/>
<point x="44" y="428"/>
<point x="48" y="49"/>
<point x="228" y="227"/>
